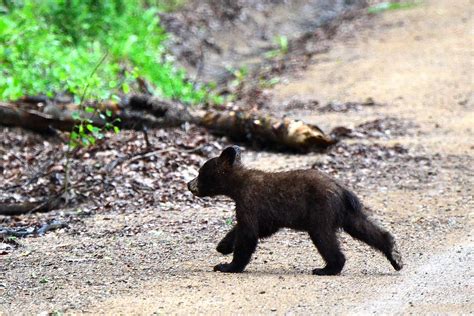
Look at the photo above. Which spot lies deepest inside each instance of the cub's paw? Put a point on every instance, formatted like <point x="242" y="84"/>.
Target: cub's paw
<point x="225" y="248"/>
<point x="395" y="259"/>
<point x="227" y="268"/>
<point x="327" y="271"/>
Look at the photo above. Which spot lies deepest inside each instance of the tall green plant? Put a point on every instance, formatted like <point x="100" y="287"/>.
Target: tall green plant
<point x="49" y="46"/>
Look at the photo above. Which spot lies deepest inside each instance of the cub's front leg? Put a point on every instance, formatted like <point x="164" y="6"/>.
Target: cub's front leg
<point x="245" y="244"/>
<point x="226" y="245"/>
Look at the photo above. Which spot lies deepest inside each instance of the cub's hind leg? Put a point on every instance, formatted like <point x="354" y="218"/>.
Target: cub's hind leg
<point x="362" y="228"/>
<point x="328" y="246"/>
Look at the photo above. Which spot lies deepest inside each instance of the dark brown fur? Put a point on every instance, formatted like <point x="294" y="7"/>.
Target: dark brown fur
<point x="306" y="200"/>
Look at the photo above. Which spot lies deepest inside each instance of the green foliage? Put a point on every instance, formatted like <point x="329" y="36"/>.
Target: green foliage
<point x="85" y="133"/>
<point x="50" y="46"/>
<point x="11" y="239"/>
<point x="239" y="75"/>
<point x="390" y="6"/>
<point x="166" y="5"/>
<point x="282" y="42"/>
<point x="229" y="221"/>
<point x="44" y="280"/>
<point x="268" y="83"/>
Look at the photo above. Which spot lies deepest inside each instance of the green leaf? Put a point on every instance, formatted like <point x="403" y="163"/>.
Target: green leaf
<point x="108" y="113"/>
<point x="98" y="53"/>
<point x="74" y="136"/>
<point x="271" y="54"/>
<point x="283" y="43"/>
<point x="91" y="139"/>
<point x="115" y="97"/>
<point x="89" y="109"/>
<point x="126" y="88"/>
<point x="116" y="130"/>
<point x="85" y="141"/>
<point x="390" y="6"/>
<point x="90" y="127"/>
<point x="76" y="116"/>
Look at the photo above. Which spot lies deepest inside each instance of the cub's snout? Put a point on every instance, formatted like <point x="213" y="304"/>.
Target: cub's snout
<point x="193" y="186"/>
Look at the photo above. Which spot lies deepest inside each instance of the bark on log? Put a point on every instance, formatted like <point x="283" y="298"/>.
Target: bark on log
<point x="267" y="131"/>
<point x="131" y="118"/>
<point x="246" y="127"/>
<point x="30" y="207"/>
<point x="138" y="112"/>
<point x="12" y="115"/>
<point x="29" y="231"/>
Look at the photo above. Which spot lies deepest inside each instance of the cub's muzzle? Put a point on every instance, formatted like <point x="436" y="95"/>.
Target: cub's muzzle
<point x="193" y="186"/>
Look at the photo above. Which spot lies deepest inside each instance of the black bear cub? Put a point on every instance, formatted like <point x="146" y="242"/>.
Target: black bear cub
<point x="306" y="200"/>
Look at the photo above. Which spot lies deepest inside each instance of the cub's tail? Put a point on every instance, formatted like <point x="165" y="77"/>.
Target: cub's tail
<point x="358" y="225"/>
<point x="351" y="202"/>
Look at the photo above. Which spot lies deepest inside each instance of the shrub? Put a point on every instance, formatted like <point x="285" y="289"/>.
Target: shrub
<point x="52" y="46"/>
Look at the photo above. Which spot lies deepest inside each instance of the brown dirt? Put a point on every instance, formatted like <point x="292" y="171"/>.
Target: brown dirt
<point x="213" y="37"/>
<point x="418" y="63"/>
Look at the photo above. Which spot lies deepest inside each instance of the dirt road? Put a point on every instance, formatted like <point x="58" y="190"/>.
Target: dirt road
<point x="418" y="63"/>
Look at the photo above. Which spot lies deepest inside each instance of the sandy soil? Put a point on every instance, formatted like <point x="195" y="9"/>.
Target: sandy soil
<point x="419" y="64"/>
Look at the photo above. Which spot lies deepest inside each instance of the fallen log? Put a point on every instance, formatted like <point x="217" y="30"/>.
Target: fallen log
<point x="133" y="115"/>
<point x="21" y="232"/>
<point x="247" y="127"/>
<point x="267" y="131"/>
<point x="12" y="115"/>
<point x="142" y="111"/>
<point x="13" y="209"/>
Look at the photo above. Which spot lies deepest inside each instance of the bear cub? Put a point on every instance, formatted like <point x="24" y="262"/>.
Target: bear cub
<point x="305" y="200"/>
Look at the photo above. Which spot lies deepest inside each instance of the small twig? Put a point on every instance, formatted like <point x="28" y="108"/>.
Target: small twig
<point x="68" y="152"/>
<point x="133" y="157"/>
<point x="144" y="86"/>
<point x="92" y="73"/>
<point x="23" y="162"/>
<point x="148" y="154"/>
<point x="30" y="207"/>
<point x="24" y="232"/>
<point x="193" y="150"/>
<point x="145" y="135"/>
<point x="51" y="226"/>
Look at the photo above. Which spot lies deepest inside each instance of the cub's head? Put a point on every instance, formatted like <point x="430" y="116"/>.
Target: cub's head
<point x="214" y="175"/>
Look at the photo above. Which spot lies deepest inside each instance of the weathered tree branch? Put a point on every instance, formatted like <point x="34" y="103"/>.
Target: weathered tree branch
<point x="142" y="111"/>
<point x="12" y="209"/>
<point x="24" y="232"/>
<point x="267" y="131"/>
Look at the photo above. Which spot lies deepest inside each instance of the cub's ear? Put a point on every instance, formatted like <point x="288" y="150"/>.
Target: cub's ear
<point x="231" y="155"/>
